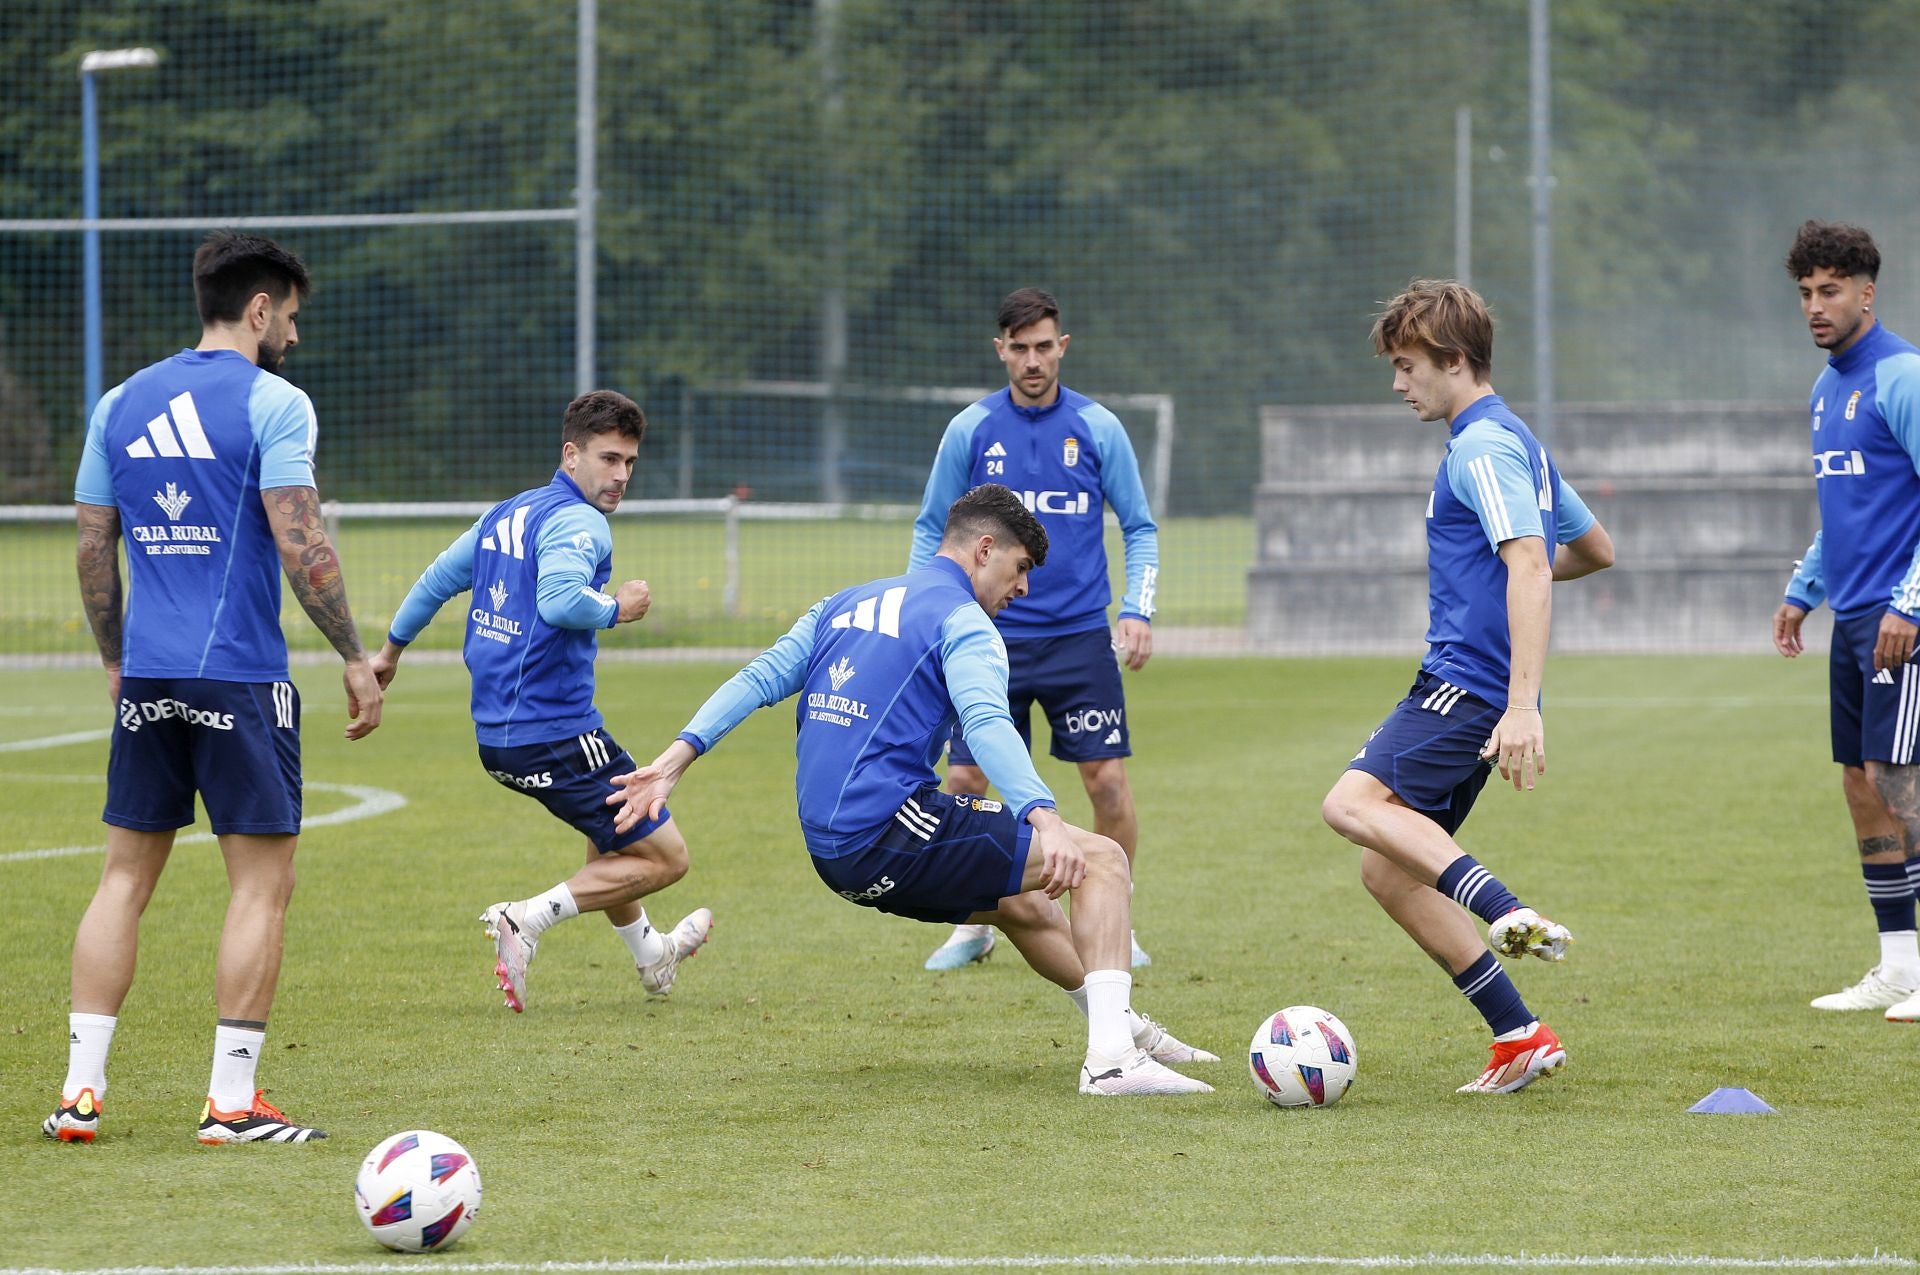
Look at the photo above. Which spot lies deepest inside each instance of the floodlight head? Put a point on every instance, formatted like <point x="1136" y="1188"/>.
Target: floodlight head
<point x="118" y="60"/>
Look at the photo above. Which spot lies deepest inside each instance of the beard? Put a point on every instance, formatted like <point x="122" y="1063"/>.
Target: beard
<point x="272" y="357"/>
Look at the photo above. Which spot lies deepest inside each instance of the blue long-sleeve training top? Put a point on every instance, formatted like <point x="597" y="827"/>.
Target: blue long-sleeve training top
<point x="882" y="670"/>
<point x="1068" y="461"/>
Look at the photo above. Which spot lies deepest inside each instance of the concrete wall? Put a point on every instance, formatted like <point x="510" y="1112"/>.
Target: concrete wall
<point x="1708" y="504"/>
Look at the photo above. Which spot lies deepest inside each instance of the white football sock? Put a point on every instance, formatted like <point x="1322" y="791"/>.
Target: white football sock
<point x="1900" y="957"/>
<point x="1108" y="1035"/>
<point x="544" y="910"/>
<point x="236" y="1056"/>
<point x="1079" y="997"/>
<point x="646" y="943"/>
<point x="88" y="1036"/>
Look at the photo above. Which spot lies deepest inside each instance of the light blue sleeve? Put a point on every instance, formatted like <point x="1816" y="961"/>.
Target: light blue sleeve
<point x="1576" y="520"/>
<point x="771" y="676"/>
<point x="448" y="574"/>
<point x="93" y="485"/>
<point x="286" y="431"/>
<point x="948" y="481"/>
<point x="1120" y="481"/>
<point x="1807" y="587"/>
<point x="1487" y="468"/>
<point x="570" y="547"/>
<point x="1898" y="398"/>
<point x="975" y="660"/>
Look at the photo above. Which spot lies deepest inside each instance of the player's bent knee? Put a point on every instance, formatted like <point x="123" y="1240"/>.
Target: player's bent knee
<point x="1104" y="856"/>
<point x="1032" y="910"/>
<point x="662" y="855"/>
<point x="963" y="780"/>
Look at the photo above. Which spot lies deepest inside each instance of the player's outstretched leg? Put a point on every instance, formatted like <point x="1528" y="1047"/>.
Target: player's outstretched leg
<point x="967" y="944"/>
<point x="262" y="1122"/>
<point x="682" y="943"/>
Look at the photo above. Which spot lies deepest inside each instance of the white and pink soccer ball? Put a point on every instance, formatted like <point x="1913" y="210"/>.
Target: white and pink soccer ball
<point x="1302" y="1057"/>
<point x="418" y="1191"/>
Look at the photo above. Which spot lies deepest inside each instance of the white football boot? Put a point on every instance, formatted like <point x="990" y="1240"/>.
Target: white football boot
<point x="1524" y="932"/>
<point x="1159" y="1044"/>
<point x="683" y="941"/>
<point x="1874" y="991"/>
<point x="1136" y="1075"/>
<point x="512" y="949"/>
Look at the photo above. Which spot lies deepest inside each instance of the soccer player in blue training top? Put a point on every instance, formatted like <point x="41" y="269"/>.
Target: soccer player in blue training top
<point x="537" y="564"/>
<point x="205" y="460"/>
<point x="1865" y="563"/>
<point x="1069" y="458"/>
<point x="883" y="670"/>
<point x="1498" y="510"/>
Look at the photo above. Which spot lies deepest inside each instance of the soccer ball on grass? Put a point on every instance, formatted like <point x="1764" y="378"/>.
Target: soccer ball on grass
<point x="1302" y="1057"/>
<point x="418" y="1191"/>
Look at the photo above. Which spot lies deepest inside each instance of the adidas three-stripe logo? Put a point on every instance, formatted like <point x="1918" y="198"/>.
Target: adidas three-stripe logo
<point x="1906" y="723"/>
<point x="283" y="705"/>
<point x="921" y="823"/>
<point x="1443" y="699"/>
<point x="509" y="535"/>
<point x="595" y="750"/>
<point x="162" y="440"/>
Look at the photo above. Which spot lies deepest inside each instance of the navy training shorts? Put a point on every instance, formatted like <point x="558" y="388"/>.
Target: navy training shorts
<point x="1077" y="681"/>
<point x="572" y="778"/>
<point x="1875" y="715"/>
<point x="1428" y="750"/>
<point x="237" y="744"/>
<point x="942" y="859"/>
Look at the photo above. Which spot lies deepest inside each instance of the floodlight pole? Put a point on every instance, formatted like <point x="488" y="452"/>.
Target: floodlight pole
<point x="1541" y="132"/>
<point x="586" y="195"/>
<point x="96" y="62"/>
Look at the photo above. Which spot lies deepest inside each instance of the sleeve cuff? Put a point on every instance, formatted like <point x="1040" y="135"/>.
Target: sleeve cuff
<point x="1135" y="615"/>
<point x="1903" y="615"/>
<point x="396" y="639"/>
<point x="694" y="742"/>
<point x="1793" y="599"/>
<point x="1038" y="803"/>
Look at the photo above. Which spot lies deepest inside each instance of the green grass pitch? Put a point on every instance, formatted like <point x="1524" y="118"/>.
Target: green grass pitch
<point x="809" y="1092"/>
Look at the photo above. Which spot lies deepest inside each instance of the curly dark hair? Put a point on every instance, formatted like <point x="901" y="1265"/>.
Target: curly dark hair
<point x="993" y="510"/>
<point x="1846" y="250"/>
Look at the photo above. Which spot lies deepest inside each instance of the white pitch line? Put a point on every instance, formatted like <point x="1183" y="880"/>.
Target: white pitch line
<point x="1111" y="1261"/>
<point x="368" y="802"/>
<point x="53" y="741"/>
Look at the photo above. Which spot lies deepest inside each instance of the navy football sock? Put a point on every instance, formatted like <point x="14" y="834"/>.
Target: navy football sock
<point x="1493" y="994"/>
<point x="1891" y="894"/>
<point x="1476" y="889"/>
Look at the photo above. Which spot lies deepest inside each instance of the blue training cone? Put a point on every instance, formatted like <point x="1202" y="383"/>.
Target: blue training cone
<point x="1731" y="1102"/>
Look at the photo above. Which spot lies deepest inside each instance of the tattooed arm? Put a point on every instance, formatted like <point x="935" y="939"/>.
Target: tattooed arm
<point x="313" y="569"/>
<point x="98" y="559"/>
